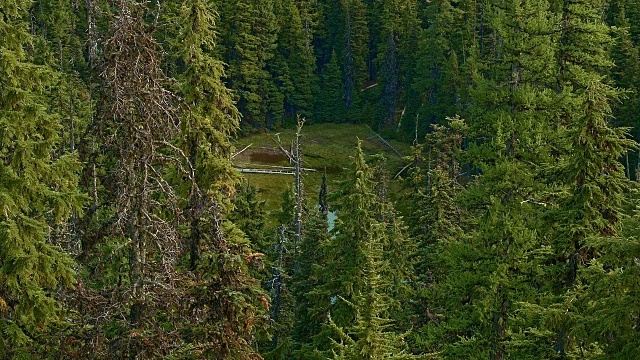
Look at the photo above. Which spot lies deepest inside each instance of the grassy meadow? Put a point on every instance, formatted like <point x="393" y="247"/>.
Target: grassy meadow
<point x="325" y="147"/>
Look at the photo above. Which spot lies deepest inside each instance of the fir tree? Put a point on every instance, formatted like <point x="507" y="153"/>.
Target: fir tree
<point x="355" y="50"/>
<point x="437" y="225"/>
<point x="591" y="212"/>
<point x="626" y="74"/>
<point x="142" y="238"/>
<point x="296" y="61"/>
<point x="225" y="330"/>
<point x="249" y="214"/>
<point x="395" y="46"/>
<point x="329" y="100"/>
<point x="249" y="39"/>
<point x="281" y="257"/>
<point x="365" y="275"/>
<point x="38" y="187"/>
<point x="595" y="216"/>
<point x="60" y="46"/>
<point x="307" y="319"/>
<point x="510" y="120"/>
<point x="436" y="90"/>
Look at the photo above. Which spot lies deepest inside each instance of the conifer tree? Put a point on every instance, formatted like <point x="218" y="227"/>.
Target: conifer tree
<point x="307" y="319"/>
<point x="249" y="35"/>
<point x="210" y="116"/>
<point x="365" y="274"/>
<point x="142" y="236"/>
<point x="330" y="107"/>
<point x="595" y="217"/>
<point x="38" y="187"/>
<point x="354" y="50"/>
<point x="509" y="119"/>
<point x="613" y="318"/>
<point x="225" y="312"/>
<point x="281" y="258"/>
<point x="436" y="91"/>
<point x="390" y="79"/>
<point x="591" y="212"/>
<point x="294" y="60"/>
<point x="626" y="74"/>
<point x="632" y="10"/>
<point x="310" y="15"/>
<point x="327" y="33"/>
<point x="249" y="214"/>
<point x="437" y="225"/>
<point x="396" y="49"/>
<point x="60" y="46"/>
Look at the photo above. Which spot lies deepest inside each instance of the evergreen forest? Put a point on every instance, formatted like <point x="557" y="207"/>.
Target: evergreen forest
<point x="511" y="229"/>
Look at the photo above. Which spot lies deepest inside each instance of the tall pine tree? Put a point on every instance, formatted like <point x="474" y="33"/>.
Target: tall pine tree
<point x="225" y="313"/>
<point x="38" y="188"/>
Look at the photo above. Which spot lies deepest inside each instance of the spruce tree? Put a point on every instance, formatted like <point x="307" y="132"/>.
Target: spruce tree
<point x="613" y="282"/>
<point x="594" y="212"/>
<point x="626" y="74"/>
<point x="140" y="243"/>
<point x="249" y="214"/>
<point x="394" y="51"/>
<point x="437" y="225"/>
<point x="513" y="139"/>
<point x="591" y="212"/>
<point x="294" y="60"/>
<point x="60" y="46"/>
<point x="249" y="35"/>
<point x="38" y="187"/>
<point x="225" y="313"/>
<point x="330" y="107"/>
<point x="365" y="274"/>
<point x="210" y="116"/>
<point x="354" y="51"/>
<point x="280" y="261"/>
<point x="436" y="91"/>
<point x="307" y="319"/>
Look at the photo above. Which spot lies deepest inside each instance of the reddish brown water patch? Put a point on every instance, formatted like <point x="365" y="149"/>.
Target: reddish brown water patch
<point x="267" y="157"/>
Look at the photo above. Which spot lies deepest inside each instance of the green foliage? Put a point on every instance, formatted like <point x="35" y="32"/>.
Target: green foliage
<point x="38" y="191"/>
<point x="437" y="89"/>
<point x="249" y="35"/>
<point x="329" y="101"/>
<point x="249" y="214"/>
<point x="210" y="116"/>
<point x="362" y="295"/>
<point x="521" y="237"/>
<point x="437" y="225"/>
<point x="294" y="62"/>
<point x="353" y="51"/>
<point x="226" y="311"/>
<point x="308" y="315"/>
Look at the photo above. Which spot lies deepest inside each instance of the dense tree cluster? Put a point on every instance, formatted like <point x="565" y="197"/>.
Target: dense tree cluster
<point x="125" y="232"/>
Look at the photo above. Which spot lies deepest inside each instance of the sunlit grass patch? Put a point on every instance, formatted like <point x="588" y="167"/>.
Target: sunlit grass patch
<point x="325" y="147"/>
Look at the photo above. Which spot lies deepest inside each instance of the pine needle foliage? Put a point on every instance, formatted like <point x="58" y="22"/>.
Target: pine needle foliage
<point x="363" y="292"/>
<point x="225" y="313"/>
<point x="38" y="189"/>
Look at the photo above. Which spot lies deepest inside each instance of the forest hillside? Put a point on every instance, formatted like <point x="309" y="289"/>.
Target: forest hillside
<point x="320" y="179"/>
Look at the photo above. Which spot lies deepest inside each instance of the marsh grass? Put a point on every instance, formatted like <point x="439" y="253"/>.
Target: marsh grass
<point x="325" y="147"/>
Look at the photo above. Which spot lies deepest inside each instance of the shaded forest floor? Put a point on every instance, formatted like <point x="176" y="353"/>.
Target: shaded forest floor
<point x="325" y="147"/>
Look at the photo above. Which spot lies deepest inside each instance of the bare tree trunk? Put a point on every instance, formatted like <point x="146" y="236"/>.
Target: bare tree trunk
<point x="499" y="327"/>
<point x="297" y="221"/>
<point x="194" y="208"/>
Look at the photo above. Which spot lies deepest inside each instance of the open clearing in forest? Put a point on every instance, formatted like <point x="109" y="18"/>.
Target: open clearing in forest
<point x="327" y="147"/>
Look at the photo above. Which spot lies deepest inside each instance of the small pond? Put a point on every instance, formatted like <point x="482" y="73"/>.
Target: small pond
<point x="267" y="157"/>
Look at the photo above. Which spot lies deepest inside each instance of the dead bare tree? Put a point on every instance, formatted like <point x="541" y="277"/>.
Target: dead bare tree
<point x="141" y="119"/>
